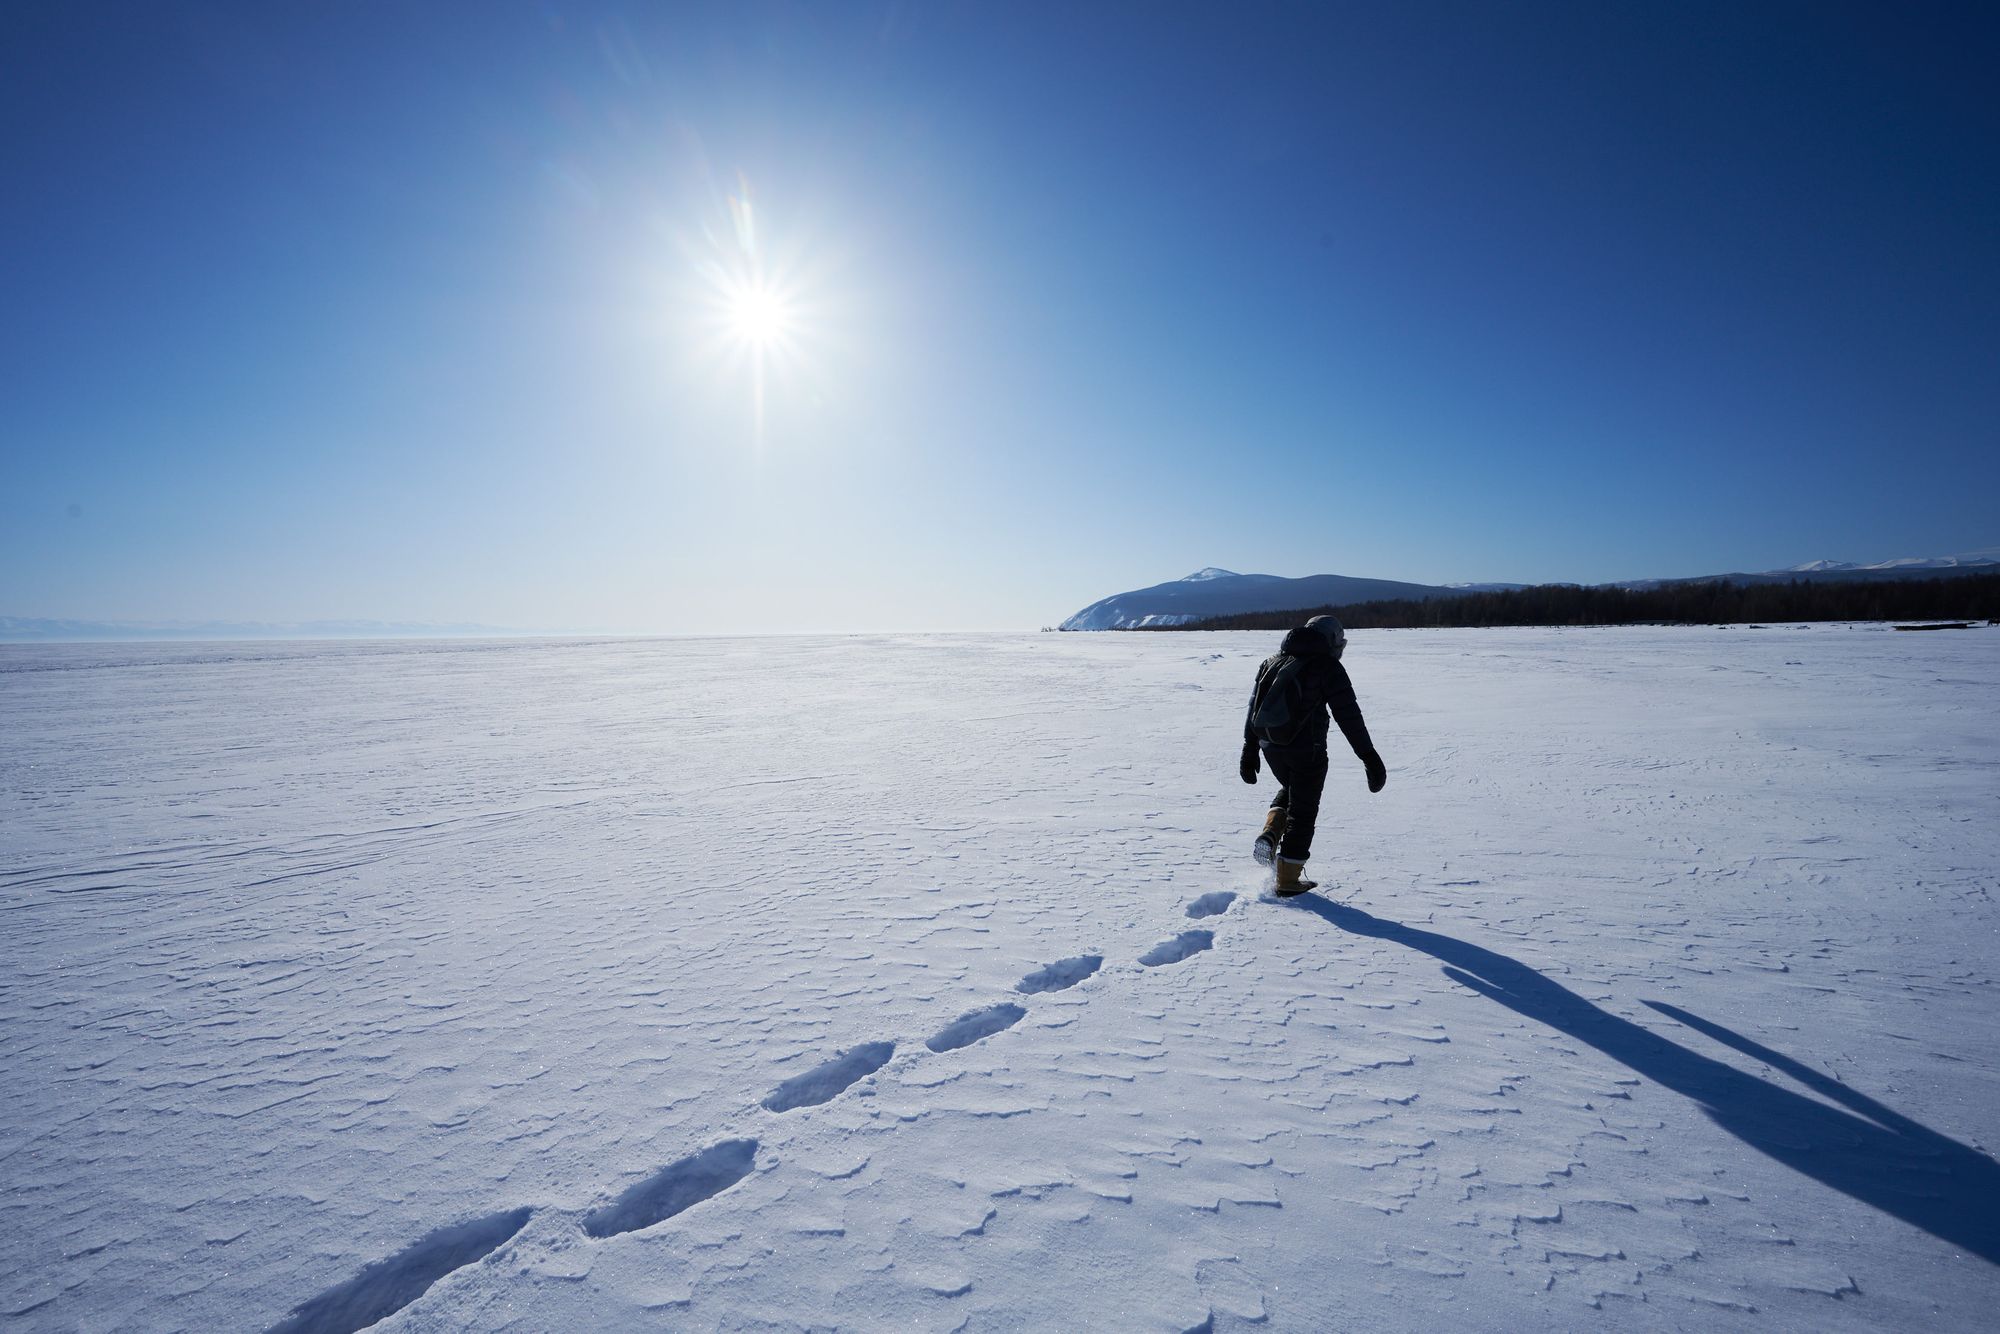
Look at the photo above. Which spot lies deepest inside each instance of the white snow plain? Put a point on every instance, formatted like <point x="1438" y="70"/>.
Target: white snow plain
<point x="926" y="982"/>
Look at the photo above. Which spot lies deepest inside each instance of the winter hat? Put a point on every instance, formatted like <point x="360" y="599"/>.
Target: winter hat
<point x="1336" y="637"/>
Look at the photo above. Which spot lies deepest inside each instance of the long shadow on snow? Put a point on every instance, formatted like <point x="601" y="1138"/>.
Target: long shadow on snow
<point x="1872" y="1153"/>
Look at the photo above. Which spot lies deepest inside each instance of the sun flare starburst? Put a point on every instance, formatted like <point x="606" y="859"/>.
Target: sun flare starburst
<point x="758" y="317"/>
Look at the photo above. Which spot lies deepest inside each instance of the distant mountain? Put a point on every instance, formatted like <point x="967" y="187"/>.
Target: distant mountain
<point x="30" y="629"/>
<point x="1215" y="592"/>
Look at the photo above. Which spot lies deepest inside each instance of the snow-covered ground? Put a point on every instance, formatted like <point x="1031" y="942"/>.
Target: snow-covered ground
<point x="867" y="982"/>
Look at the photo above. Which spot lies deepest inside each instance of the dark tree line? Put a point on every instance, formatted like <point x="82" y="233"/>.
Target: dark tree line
<point x="1973" y="597"/>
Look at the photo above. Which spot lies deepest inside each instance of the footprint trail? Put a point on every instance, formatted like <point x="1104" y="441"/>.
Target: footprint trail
<point x="1060" y="975"/>
<point x="828" y="1081"/>
<point x="675" y="1188"/>
<point x="1187" y="943"/>
<point x="387" y="1286"/>
<point x="970" y="1027"/>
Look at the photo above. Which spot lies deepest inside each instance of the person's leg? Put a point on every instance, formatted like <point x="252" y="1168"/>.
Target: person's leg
<point x="1282" y="761"/>
<point x="1280" y="766"/>
<point x="1265" y="848"/>
<point x="1304" y="776"/>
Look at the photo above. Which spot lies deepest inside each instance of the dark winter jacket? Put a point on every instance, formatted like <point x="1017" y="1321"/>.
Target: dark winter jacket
<point x="1327" y="691"/>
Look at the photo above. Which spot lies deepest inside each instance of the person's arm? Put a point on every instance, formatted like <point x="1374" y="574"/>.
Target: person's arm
<point x="1247" y="762"/>
<point x="1346" y="711"/>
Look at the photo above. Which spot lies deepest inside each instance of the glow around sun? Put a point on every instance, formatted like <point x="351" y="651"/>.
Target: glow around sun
<point x="760" y="322"/>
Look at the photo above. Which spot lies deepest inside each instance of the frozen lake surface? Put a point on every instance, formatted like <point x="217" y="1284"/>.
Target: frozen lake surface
<point x="926" y="981"/>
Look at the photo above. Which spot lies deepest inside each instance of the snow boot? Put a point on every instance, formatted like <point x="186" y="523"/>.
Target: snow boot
<point x="1291" y="879"/>
<point x="1265" y="849"/>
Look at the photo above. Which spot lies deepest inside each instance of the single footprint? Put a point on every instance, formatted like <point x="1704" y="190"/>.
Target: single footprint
<point x="674" y="1188"/>
<point x="1180" y="947"/>
<point x="387" y="1286"/>
<point x="829" y="1081"/>
<point x="1060" y="975"/>
<point x="973" y="1025"/>
<point x="1211" y="905"/>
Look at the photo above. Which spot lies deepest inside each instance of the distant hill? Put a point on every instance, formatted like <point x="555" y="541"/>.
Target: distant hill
<point x="1214" y="592"/>
<point x="1211" y="593"/>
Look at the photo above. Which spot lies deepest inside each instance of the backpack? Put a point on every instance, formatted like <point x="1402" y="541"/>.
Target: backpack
<point x="1278" y="711"/>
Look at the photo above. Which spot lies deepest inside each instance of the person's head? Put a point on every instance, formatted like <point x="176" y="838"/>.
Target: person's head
<point x="1330" y="630"/>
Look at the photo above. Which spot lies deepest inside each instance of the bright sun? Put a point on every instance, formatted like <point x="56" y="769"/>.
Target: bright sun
<point x="758" y="315"/>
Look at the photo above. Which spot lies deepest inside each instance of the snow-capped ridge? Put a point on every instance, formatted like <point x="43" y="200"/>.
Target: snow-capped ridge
<point x="1963" y="560"/>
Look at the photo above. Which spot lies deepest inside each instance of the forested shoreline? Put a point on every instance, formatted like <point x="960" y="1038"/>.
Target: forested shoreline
<point x="1974" y="597"/>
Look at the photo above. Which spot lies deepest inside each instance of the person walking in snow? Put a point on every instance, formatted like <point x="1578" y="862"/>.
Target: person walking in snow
<point x="1297" y="688"/>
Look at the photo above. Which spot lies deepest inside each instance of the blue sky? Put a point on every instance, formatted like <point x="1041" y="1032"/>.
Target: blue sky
<point x="438" y="312"/>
